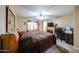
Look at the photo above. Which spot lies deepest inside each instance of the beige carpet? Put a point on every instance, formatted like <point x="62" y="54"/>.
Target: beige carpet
<point x="68" y="47"/>
<point x="62" y="47"/>
<point x="56" y="49"/>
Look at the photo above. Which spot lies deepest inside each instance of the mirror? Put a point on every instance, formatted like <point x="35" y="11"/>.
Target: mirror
<point x="10" y="20"/>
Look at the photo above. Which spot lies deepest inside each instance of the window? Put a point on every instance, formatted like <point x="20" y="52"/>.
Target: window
<point x="45" y="25"/>
<point x="32" y="26"/>
<point x="29" y="25"/>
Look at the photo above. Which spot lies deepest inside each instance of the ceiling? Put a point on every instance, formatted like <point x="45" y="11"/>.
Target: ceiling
<point x="35" y="10"/>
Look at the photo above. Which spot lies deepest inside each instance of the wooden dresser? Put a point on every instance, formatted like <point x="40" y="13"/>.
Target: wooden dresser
<point x="8" y="43"/>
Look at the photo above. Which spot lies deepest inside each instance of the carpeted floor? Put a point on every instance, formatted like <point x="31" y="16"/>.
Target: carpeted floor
<point x="56" y="49"/>
<point x="68" y="47"/>
<point x="62" y="47"/>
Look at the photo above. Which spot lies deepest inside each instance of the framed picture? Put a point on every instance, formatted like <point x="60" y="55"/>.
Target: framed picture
<point x="10" y="20"/>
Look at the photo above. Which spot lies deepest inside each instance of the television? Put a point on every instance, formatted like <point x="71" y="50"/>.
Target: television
<point x="50" y="24"/>
<point x="68" y="28"/>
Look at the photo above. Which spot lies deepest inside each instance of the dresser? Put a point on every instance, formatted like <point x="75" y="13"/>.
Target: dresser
<point x="8" y="42"/>
<point x="69" y="37"/>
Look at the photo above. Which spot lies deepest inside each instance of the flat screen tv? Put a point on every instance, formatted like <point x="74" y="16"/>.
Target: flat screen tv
<point x="50" y="24"/>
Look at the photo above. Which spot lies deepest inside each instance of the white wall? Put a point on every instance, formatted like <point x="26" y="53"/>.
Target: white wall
<point x="20" y="23"/>
<point x="12" y="7"/>
<point x="51" y="21"/>
<point x="63" y="21"/>
<point x="76" y="27"/>
<point x="2" y="19"/>
<point x="66" y="20"/>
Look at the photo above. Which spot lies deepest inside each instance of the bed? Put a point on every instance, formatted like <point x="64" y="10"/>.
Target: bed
<point x="35" y="41"/>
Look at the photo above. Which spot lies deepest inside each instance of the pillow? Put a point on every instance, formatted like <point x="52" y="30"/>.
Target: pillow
<point x="23" y="35"/>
